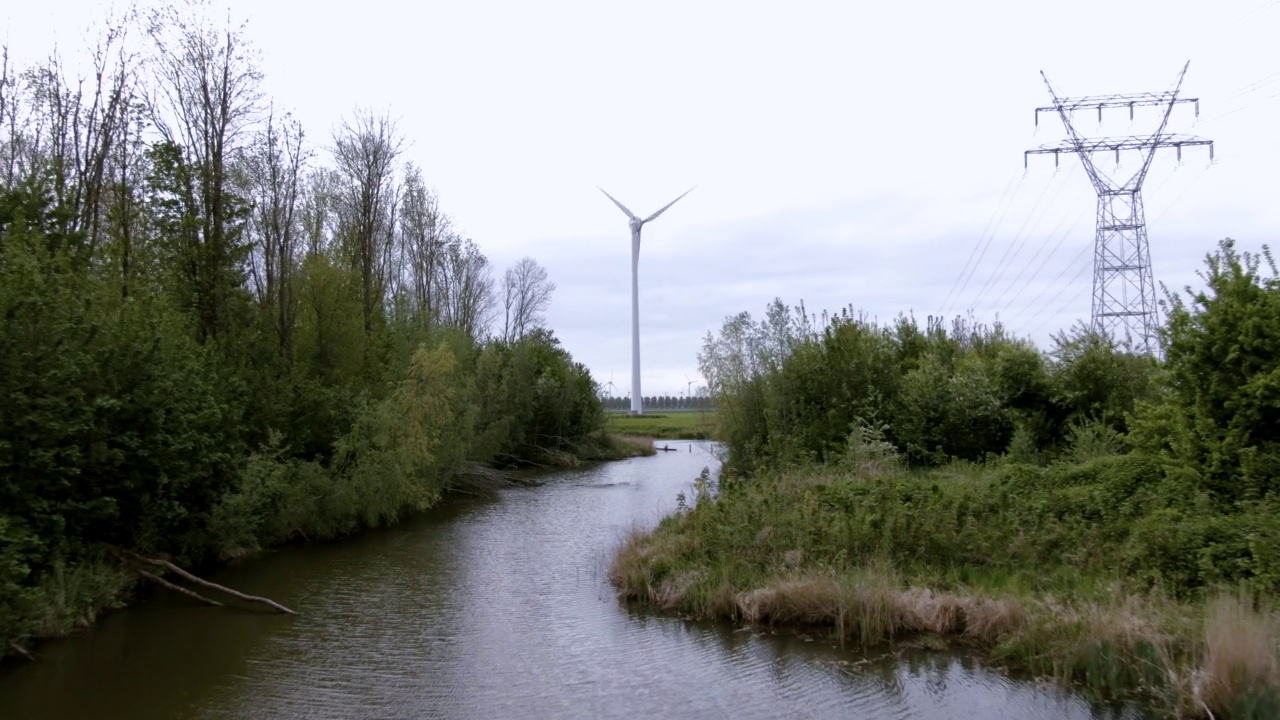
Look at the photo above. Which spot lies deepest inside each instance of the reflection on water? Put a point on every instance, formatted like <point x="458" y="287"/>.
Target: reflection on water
<point x="489" y="609"/>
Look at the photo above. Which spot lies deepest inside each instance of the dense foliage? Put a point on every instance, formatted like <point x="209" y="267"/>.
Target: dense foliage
<point x="1159" y="472"/>
<point x="211" y="343"/>
<point x="1085" y="513"/>
<point x="790" y="392"/>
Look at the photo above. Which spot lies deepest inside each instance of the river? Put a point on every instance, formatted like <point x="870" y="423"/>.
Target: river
<point x="489" y="608"/>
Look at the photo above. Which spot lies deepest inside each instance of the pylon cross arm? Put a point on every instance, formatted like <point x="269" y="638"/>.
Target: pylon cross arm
<point x="1127" y="143"/>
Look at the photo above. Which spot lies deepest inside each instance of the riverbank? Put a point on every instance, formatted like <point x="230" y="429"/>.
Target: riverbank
<point x="610" y="447"/>
<point x="1033" y="567"/>
<point x="465" y="612"/>
<point x="75" y="596"/>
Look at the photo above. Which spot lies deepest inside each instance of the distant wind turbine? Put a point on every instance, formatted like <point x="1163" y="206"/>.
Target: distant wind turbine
<point x="636" y="223"/>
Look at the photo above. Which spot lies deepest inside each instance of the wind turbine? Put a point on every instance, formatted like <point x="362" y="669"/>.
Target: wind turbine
<point x="636" y="223"/>
<point x="610" y="386"/>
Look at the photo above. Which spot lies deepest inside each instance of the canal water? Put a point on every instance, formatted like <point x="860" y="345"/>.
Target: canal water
<point x="489" y="608"/>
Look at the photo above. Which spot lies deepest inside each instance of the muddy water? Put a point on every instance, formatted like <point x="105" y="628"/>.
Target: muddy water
<point x="495" y="608"/>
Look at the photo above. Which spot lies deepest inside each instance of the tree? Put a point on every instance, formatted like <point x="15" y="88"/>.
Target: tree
<point x="275" y="169"/>
<point x="319" y="196"/>
<point x="78" y="126"/>
<point x="467" y="283"/>
<point x="204" y="98"/>
<point x="526" y="294"/>
<point x="1220" y="417"/>
<point x="366" y="150"/>
<point x="424" y="234"/>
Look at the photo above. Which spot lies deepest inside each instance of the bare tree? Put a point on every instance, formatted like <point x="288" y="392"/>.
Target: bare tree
<point x="205" y="98"/>
<point x="366" y="150"/>
<point x="275" y="169"/>
<point x="8" y="120"/>
<point x="122" y="199"/>
<point x="526" y="295"/>
<point x="318" y="215"/>
<point x="424" y="234"/>
<point x="467" y="288"/>
<point x="69" y="127"/>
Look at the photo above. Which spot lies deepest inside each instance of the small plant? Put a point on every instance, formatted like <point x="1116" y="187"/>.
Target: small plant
<point x="868" y="452"/>
<point x="1091" y="440"/>
<point x="704" y="487"/>
<point x="682" y="504"/>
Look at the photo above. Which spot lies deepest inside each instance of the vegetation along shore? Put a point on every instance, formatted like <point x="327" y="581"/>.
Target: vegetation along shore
<point x="215" y="338"/>
<point x="1086" y="514"/>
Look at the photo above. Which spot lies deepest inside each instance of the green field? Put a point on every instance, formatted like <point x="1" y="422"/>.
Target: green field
<point x="669" y="424"/>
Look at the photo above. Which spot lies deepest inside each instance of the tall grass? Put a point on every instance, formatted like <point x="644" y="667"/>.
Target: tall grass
<point x="998" y="559"/>
<point x="1240" y="673"/>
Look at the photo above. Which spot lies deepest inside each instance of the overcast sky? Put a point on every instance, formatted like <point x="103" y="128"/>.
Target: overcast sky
<point x="845" y="153"/>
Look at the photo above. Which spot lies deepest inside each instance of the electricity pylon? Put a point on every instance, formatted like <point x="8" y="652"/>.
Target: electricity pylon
<point x="1124" y="292"/>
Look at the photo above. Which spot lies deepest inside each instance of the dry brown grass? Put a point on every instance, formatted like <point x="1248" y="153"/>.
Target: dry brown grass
<point x="1241" y="653"/>
<point x="975" y="617"/>
<point x="874" y="607"/>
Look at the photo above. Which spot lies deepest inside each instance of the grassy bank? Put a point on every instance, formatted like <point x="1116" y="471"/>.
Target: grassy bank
<point x="1048" y="570"/>
<point x="607" y="447"/>
<point x="682" y="425"/>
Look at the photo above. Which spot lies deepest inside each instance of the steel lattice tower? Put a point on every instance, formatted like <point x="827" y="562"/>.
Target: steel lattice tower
<point x="1124" y="293"/>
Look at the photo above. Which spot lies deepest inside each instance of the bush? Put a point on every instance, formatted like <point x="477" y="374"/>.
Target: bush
<point x="1220" y="415"/>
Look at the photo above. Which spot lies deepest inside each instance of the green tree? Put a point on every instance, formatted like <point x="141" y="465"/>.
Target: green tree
<point x="1220" y="415"/>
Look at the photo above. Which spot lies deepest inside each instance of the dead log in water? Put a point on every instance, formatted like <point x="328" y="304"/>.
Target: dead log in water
<point x="21" y="650"/>
<point x="170" y="567"/>
<point x="177" y="588"/>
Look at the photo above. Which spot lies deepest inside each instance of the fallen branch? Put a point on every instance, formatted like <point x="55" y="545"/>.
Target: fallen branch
<point x="199" y="581"/>
<point x="495" y="476"/>
<point x="21" y="650"/>
<point x="215" y="586"/>
<point x="177" y="588"/>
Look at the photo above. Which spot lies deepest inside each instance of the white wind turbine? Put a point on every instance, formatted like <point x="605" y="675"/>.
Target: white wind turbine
<point x="636" y="224"/>
<point x="610" y="387"/>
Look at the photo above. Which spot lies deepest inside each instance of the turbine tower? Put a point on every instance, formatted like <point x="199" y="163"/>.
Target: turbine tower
<point x="1124" y="291"/>
<point x="636" y="223"/>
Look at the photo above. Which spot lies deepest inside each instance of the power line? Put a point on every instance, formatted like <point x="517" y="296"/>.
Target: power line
<point x="1032" y="276"/>
<point x="1242" y="108"/>
<point x="978" y="244"/>
<point x="1000" y="263"/>
<point x="998" y="273"/>
<point x="995" y="281"/>
<point x="1035" y="302"/>
<point x="1251" y="87"/>
<point x="1185" y="190"/>
<point x="974" y="269"/>
<point x="1065" y="303"/>
<point x="1259" y="10"/>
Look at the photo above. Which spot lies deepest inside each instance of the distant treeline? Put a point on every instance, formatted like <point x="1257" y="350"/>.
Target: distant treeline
<point x="218" y="333"/>
<point x="662" y="402"/>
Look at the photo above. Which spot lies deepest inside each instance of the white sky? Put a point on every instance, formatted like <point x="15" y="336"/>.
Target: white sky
<point x="844" y="153"/>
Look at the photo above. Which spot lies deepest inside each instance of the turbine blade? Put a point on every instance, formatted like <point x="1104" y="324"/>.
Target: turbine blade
<point x="664" y="207"/>
<point x="615" y="202"/>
